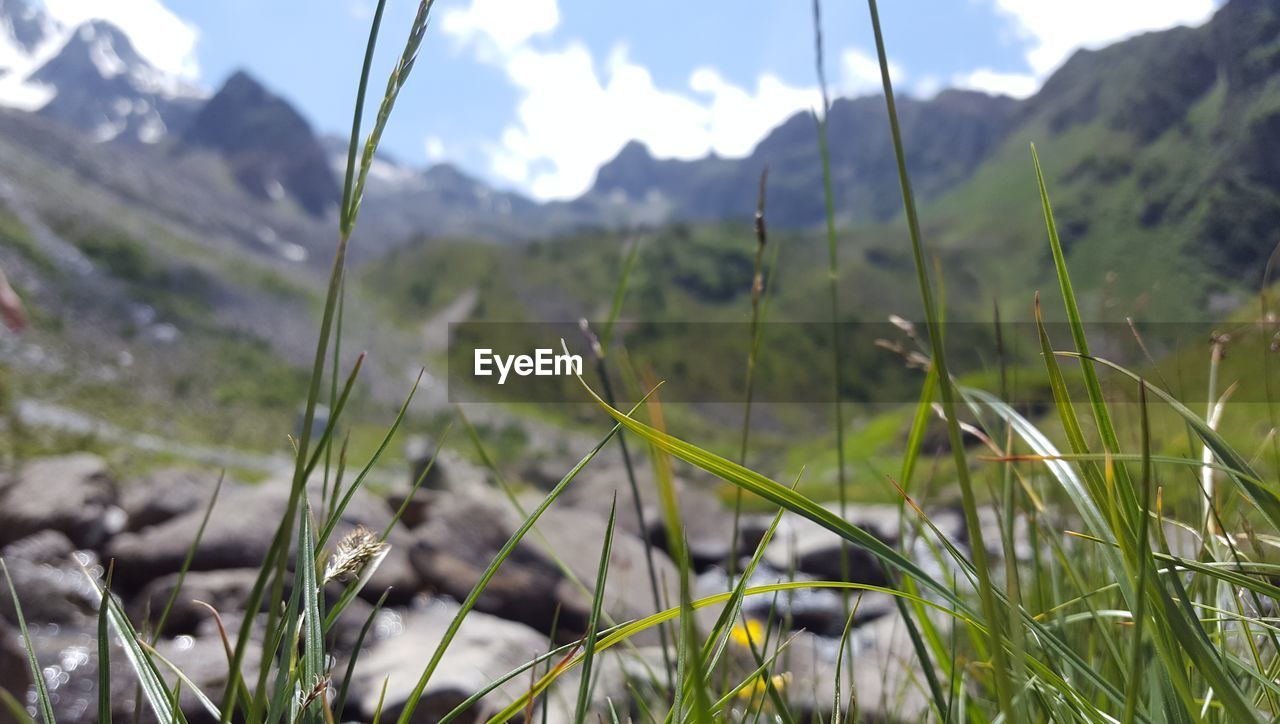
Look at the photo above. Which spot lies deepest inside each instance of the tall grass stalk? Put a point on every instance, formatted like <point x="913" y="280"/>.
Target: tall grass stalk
<point x="986" y="587"/>
<point x="833" y="280"/>
<point x="760" y="287"/>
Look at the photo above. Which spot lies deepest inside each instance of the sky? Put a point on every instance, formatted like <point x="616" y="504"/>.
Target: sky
<point x="534" y="95"/>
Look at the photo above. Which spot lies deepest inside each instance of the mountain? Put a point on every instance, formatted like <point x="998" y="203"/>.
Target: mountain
<point x="105" y="88"/>
<point x="268" y="145"/>
<point x="947" y="137"/>
<point x="1162" y="156"/>
<point x="28" y="38"/>
<point x="89" y="77"/>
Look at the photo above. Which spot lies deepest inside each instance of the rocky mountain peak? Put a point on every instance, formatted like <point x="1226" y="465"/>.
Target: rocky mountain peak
<point x="271" y="148"/>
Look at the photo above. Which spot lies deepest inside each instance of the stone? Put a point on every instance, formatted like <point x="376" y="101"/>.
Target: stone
<point x="167" y="494"/>
<point x="225" y="590"/>
<point x="203" y="660"/>
<point x="467" y="532"/>
<point x="15" y="672"/>
<point x="484" y="649"/>
<point x="58" y="594"/>
<point x="74" y="495"/>
<point x="239" y="534"/>
<point x="707" y="522"/>
<point x="48" y="547"/>
<point x="451" y="472"/>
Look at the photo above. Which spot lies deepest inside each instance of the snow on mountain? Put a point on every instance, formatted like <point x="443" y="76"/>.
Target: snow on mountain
<point x="89" y="77"/>
<point x="28" y="39"/>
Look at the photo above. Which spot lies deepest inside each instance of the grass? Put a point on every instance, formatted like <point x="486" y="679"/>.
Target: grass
<point x="1100" y="622"/>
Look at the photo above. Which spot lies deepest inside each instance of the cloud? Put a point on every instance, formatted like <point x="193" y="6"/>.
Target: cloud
<point x="164" y="39"/>
<point x="434" y="148"/>
<point x="860" y="73"/>
<point x="1018" y="85"/>
<point x="573" y="113"/>
<point x="498" y="27"/>
<point x="1053" y="30"/>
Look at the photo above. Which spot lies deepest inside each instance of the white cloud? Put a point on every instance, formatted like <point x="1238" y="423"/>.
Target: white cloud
<point x="164" y="39"/>
<point x="1054" y="30"/>
<point x="573" y="114"/>
<point x="571" y="118"/>
<point x="434" y="148"/>
<point x="501" y="26"/>
<point x="1018" y="85"/>
<point x="861" y="73"/>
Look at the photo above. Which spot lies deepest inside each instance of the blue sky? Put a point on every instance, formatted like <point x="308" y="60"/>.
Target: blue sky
<point x="535" y="94"/>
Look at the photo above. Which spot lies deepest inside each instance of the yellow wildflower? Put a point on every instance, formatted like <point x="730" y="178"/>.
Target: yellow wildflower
<point x="748" y="633"/>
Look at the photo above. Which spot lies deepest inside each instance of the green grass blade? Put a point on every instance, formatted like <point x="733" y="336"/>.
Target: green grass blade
<point x="10" y="704"/>
<point x="153" y="686"/>
<point x="346" y="221"/>
<point x="597" y="603"/>
<point x="335" y="515"/>
<point x="184" y="680"/>
<point x="355" y="655"/>
<point x="37" y="674"/>
<point x="985" y="586"/>
<point x="833" y="276"/>
<point x="104" y="652"/>
<point x="619" y="295"/>
<point x="1233" y="463"/>
<point x="313" y="654"/>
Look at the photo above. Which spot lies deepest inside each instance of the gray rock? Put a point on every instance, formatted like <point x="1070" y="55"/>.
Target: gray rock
<point x="450" y="473"/>
<point x="167" y="494"/>
<point x="879" y="675"/>
<point x="225" y="590"/>
<point x="15" y="673"/>
<point x="484" y="649"/>
<point x="239" y="535"/>
<point x="203" y="659"/>
<point x="58" y="594"/>
<point x="708" y="523"/>
<point x="800" y="544"/>
<point x="47" y="546"/>
<point x="466" y="532"/>
<point x="74" y="495"/>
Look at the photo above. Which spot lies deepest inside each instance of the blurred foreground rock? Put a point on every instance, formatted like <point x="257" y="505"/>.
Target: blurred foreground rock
<point x="74" y="495"/>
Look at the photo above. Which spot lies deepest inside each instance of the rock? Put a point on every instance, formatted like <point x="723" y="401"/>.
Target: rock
<point x="484" y="649"/>
<point x="466" y="532"/>
<point x="708" y="523"/>
<point x="58" y="594"/>
<point x="15" y="672"/>
<point x="809" y="548"/>
<point x="456" y="544"/>
<point x="203" y="659"/>
<point x="817" y="610"/>
<point x="450" y="473"/>
<point x="74" y="495"/>
<point x="167" y="494"/>
<point x="239" y="535"/>
<point x="67" y="655"/>
<point x="225" y="590"/>
<point x="879" y="672"/>
<point x="577" y="540"/>
<point x="48" y="547"/>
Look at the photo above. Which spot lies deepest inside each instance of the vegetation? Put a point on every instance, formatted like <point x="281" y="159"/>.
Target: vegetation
<point x="1102" y="621"/>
